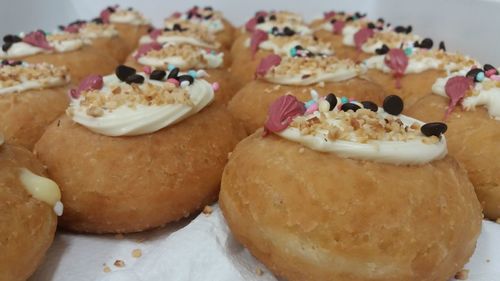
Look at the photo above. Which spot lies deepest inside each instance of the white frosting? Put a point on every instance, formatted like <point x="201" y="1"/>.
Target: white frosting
<point x="340" y="74"/>
<point x="66" y="45"/>
<point x="22" y="49"/>
<point x="29" y="83"/>
<point x="209" y="61"/>
<point x="348" y="34"/>
<point x="213" y="25"/>
<point x="373" y="44"/>
<point x="270" y="45"/>
<point x="103" y="31"/>
<point x="127" y="121"/>
<point x="298" y="28"/>
<point x="490" y="98"/>
<point x="414" y="65"/>
<point x="176" y="39"/>
<point x="128" y="17"/>
<point x="412" y="152"/>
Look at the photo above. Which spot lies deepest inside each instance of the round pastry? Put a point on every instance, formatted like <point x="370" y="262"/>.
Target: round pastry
<point x="350" y="195"/>
<point x="411" y="71"/>
<point x="468" y="101"/>
<point x="262" y="44"/>
<point x="149" y="150"/>
<point x="212" y="20"/>
<point x="130" y="23"/>
<point x="101" y="36"/>
<point x="29" y="203"/>
<point x="60" y="49"/>
<point x="266" y="21"/>
<point x="31" y="97"/>
<point x="299" y="75"/>
<point x="185" y="57"/>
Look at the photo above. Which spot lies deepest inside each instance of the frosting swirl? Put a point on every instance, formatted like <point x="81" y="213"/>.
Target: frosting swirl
<point x="17" y="77"/>
<point x="42" y="189"/>
<point x="145" y="106"/>
<point x="183" y="56"/>
<point x="389" y="38"/>
<point x="206" y="17"/>
<point x="359" y="133"/>
<point x="92" y="30"/>
<point x="282" y="45"/>
<point x="126" y="16"/>
<point x="182" y="34"/>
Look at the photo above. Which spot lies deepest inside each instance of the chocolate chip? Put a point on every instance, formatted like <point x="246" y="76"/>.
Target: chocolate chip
<point x="393" y="105"/>
<point x="9" y="38"/>
<point x="298" y="47"/>
<point x="135" y="78"/>
<point x="186" y="78"/>
<point x="173" y="73"/>
<point x="177" y="27"/>
<point x="359" y="15"/>
<point x="434" y="129"/>
<point x="6" y="46"/>
<point x="17" y="62"/>
<point x="261" y="19"/>
<point x="382" y="50"/>
<point x="371" y="25"/>
<point x="157" y="75"/>
<point x="272" y="17"/>
<point x="473" y="73"/>
<point x="332" y="21"/>
<point x="427" y="43"/>
<point x="348" y="19"/>
<point x="350" y="106"/>
<point x="442" y="46"/>
<point x="370" y="105"/>
<point x="332" y="100"/>
<point x="380" y="20"/>
<point x="487" y="67"/>
<point x="208" y="17"/>
<point x="123" y="72"/>
<point x="274" y="30"/>
<point x="287" y="31"/>
<point x="209" y="8"/>
<point x="402" y="29"/>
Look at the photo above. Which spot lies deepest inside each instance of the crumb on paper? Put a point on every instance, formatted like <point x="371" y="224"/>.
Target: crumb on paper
<point x="119" y="236"/>
<point x="119" y="263"/>
<point x="207" y="210"/>
<point x="462" y="274"/>
<point x="137" y="253"/>
<point x="259" y="271"/>
<point x="106" y="269"/>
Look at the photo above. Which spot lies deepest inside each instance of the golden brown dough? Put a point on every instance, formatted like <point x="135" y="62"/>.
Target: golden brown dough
<point x="27" y="226"/>
<point x="225" y="36"/>
<point x="24" y="116"/>
<point x="313" y="216"/>
<point x="250" y="104"/>
<point x="80" y="63"/>
<point x="129" y="184"/>
<point x="472" y="139"/>
<point x="115" y="47"/>
<point x="131" y="34"/>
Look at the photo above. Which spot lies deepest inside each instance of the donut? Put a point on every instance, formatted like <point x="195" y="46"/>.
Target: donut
<point x="213" y="21"/>
<point x="410" y="72"/>
<point x="467" y="101"/>
<point x="299" y="75"/>
<point x="350" y="194"/>
<point x="31" y="97"/>
<point x="186" y="57"/>
<point x="28" y="204"/>
<point x="129" y="23"/>
<point x="60" y="49"/>
<point x="101" y="36"/>
<point x="261" y="45"/>
<point x="149" y="151"/>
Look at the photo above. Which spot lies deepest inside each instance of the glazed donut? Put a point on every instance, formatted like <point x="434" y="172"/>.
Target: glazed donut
<point x="251" y="103"/>
<point x="473" y="130"/>
<point x="328" y="205"/>
<point x="27" y="224"/>
<point x="31" y="97"/>
<point x="162" y="161"/>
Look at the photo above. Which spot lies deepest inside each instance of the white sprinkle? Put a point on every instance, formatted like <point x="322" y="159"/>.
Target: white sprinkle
<point x="59" y="208"/>
<point x="184" y="84"/>
<point x="201" y="73"/>
<point x="314" y="95"/>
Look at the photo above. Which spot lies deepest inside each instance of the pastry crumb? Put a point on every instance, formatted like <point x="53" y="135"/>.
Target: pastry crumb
<point x="259" y="271"/>
<point x="137" y="253"/>
<point x="106" y="269"/>
<point x="462" y="274"/>
<point x="207" y="210"/>
<point x="301" y="150"/>
<point x="498" y="220"/>
<point x="119" y="263"/>
<point x="140" y="240"/>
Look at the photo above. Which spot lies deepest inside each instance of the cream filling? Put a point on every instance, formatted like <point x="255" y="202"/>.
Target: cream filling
<point x="340" y="74"/>
<point x="47" y="82"/>
<point x="66" y="45"/>
<point x="209" y="61"/>
<point x="413" y="152"/>
<point x="176" y="40"/>
<point x="127" y="121"/>
<point x="414" y="65"/>
<point x="490" y="98"/>
<point x="42" y="189"/>
<point x="128" y="18"/>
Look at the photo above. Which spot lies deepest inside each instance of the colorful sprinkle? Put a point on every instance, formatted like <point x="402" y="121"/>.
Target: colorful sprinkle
<point x="193" y="73"/>
<point x="282" y="112"/>
<point x="173" y="81"/>
<point x="215" y="86"/>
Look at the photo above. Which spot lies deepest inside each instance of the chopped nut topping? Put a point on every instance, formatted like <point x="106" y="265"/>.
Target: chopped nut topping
<point x="43" y="73"/>
<point x="390" y="38"/>
<point x="207" y="210"/>
<point x="311" y="66"/>
<point x="192" y="55"/>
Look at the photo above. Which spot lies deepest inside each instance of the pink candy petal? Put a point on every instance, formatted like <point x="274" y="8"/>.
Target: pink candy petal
<point x="495" y="77"/>
<point x="73" y="28"/>
<point x="338" y="26"/>
<point x="250" y="25"/>
<point x="155" y="33"/>
<point x="258" y="36"/>
<point x="173" y="81"/>
<point x="328" y="15"/>
<point x="362" y="36"/>
<point x="106" y="13"/>
<point x="281" y="113"/>
<point x="266" y="64"/>
<point x="176" y="15"/>
<point x="456" y="88"/>
<point x="146" y="48"/>
<point x="37" y="39"/>
<point x="397" y="61"/>
<point x="147" y="69"/>
<point x="91" y="82"/>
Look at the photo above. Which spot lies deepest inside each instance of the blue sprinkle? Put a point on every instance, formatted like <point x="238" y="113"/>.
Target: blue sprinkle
<point x="480" y="76"/>
<point x="170" y="67"/>
<point x="344" y="100"/>
<point x="213" y="52"/>
<point x="192" y="73"/>
<point x="309" y="103"/>
<point x="293" y="52"/>
<point x="408" y="51"/>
